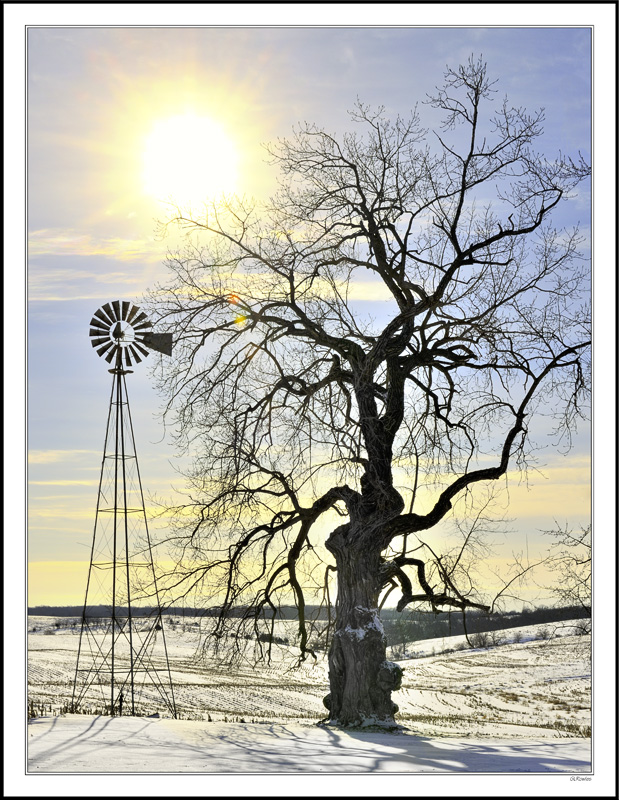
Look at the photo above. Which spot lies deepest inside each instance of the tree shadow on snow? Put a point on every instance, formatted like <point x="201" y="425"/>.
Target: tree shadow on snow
<point x="93" y="734"/>
<point x="412" y="753"/>
<point x="293" y="748"/>
<point x="278" y="747"/>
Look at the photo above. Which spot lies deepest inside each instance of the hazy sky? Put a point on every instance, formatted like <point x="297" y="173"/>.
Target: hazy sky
<point x="95" y="95"/>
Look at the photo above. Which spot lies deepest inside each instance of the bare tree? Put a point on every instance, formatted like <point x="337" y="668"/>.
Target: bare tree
<point x="570" y="560"/>
<point x="327" y="445"/>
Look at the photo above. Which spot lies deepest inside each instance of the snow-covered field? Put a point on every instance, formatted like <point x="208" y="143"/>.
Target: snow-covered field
<point x="81" y="744"/>
<point x="522" y="706"/>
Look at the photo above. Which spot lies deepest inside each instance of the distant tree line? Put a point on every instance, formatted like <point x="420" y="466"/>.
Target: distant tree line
<point x="286" y="612"/>
<point x="91" y="611"/>
<point x="419" y="625"/>
<point x="399" y="627"/>
<point x="121" y="611"/>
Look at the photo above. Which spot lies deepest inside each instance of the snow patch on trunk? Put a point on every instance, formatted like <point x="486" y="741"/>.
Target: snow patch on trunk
<point x="359" y="632"/>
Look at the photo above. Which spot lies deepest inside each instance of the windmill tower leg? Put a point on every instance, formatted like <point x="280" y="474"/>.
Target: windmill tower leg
<point x="122" y="658"/>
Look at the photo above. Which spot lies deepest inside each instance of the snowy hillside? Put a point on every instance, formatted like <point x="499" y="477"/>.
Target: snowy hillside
<point x="523" y="705"/>
<point x="528" y="686"/>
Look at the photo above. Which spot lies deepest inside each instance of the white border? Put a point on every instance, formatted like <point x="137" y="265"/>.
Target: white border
<point x="599" y="15"/>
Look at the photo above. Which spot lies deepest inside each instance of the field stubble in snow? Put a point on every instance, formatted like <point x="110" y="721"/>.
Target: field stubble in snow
<point x="524" y="705"/>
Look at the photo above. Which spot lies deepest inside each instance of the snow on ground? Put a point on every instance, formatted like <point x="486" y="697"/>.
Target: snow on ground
<point x="522" y="706"/>
<point x="536" y="688"/>
<point x="80" y="744"/>
<point x="525" y="633"/>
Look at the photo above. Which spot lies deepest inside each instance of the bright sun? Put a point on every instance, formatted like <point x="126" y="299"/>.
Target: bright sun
<point x="189" y="159"/>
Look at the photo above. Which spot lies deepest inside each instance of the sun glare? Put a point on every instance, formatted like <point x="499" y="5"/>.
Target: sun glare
<point x="188" y="160"/>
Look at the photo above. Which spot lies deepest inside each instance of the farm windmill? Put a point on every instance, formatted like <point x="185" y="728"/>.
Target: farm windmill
<point x="122" y="657"/>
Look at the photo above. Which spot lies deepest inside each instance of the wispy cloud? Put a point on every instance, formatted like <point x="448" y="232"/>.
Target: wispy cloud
<point x="55" y="241"/>
<point x="263" y="285"/>
<point x="52" y="285"/>
<point x="63" y="483"/>
<point x="64" y="284"/>
<point x="55" y="456"/>
<point x="60" y="513"/>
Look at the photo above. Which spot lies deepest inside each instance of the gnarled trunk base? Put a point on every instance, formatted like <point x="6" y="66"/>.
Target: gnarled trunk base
<point x="360" y="677"/>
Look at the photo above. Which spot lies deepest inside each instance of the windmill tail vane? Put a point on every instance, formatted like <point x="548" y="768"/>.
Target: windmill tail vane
<point x="122" y="662"/>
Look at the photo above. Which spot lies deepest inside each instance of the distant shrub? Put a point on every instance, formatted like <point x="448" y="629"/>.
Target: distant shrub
<point x="544" y="633"/>
<point x="264" y="637"/>
<point x="398" y="651"/>
<point x="583" y="629"/>
<point x="479" y="639"/>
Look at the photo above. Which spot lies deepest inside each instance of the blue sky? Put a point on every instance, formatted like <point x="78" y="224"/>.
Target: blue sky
<point x="94" y="95"/>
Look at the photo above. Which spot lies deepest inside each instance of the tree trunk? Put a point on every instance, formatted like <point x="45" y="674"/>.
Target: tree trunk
<point x="360" y="677"/>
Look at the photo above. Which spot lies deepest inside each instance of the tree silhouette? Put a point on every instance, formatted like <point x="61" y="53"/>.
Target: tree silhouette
<point x="325" y="442"/>
<point x="570" y="560"/>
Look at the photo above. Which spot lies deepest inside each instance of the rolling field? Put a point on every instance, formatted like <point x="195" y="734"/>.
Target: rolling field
<point x="520" y="689"/>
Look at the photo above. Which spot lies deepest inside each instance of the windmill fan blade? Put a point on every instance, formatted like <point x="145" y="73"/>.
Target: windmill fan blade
<point x="139" y="318"/>
<point x="112" y="353"/>
<point x="99" y="341"/>
<point x="140" y="349"/>
<point x="97" y="323"/>
<point x="125" y="306"/>
<point x="98" y="332"/>
<point x="109" y="311"/>
<point x="100" y="314"/>
<point x="161" y="342"/>
<point x="127" y="359"/>
<point x="143" y="325"/>
<point x="133" y="351"/>
<point x="103" y="349"/>
<point x="132" y="313"/>
<point x="116" y="304"/>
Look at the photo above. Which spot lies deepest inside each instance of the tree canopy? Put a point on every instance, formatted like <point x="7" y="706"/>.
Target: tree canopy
<point x="325" y="440"/>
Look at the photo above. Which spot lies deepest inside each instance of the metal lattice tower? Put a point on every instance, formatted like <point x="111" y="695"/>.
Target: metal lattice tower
<point x="122" y="661"/>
